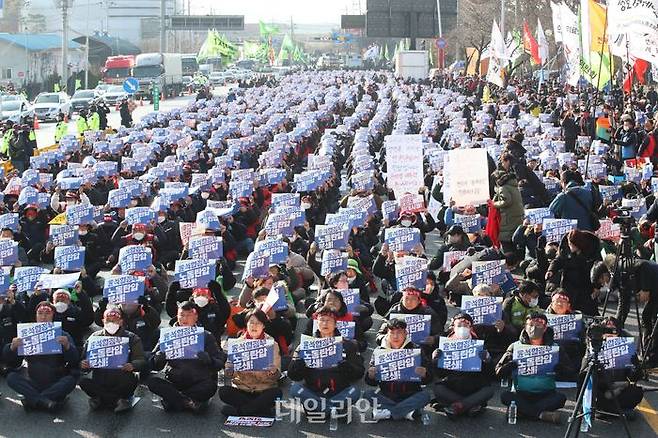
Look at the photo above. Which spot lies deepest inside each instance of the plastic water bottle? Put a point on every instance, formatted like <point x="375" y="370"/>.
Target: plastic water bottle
<point x="511" y="413"/>
<point x="425" y="418"/>
<point x="584" y="426"/>
<point x="504" y="383"/>
<point x="333" y="420"/>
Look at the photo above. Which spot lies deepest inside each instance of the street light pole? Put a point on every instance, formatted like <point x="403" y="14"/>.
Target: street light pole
<point x="163" y="34"/>
<point x="502" y="17"/>
<point x="65" y="40"/>
<point x="87" y="50"/>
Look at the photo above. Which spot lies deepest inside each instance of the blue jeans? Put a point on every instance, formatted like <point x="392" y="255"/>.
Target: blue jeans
<point x="325" y="404"/>
<point x="56" y="392"/>
<point x="400" y="409"/>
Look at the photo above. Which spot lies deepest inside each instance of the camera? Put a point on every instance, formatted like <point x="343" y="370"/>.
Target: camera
<point x="624" y="218"/>
<point x="596" y="332"/>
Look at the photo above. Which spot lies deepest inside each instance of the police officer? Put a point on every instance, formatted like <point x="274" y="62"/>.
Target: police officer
<point x="62" y="128"/>
<point x="81" y="123"/>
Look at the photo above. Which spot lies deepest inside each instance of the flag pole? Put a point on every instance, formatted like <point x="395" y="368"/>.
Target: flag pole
<point x="631" y="71"/>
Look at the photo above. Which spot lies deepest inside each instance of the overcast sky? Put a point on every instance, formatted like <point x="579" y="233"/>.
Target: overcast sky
<point x="302" y="11"/>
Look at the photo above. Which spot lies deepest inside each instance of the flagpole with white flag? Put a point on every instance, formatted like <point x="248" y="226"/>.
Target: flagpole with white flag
<point x="543" y="51"/>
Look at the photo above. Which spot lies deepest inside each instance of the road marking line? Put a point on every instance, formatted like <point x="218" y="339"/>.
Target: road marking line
<point x="649" y="413"/>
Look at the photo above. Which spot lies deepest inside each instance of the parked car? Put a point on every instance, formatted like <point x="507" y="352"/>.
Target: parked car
<point x="82" y="99"/>
<point x="114" y="95"/>
<point x="217" y="78"/>
<point x="102" y="88"/>
<point x="48" y="105"/>
<point x="15" y="110"/>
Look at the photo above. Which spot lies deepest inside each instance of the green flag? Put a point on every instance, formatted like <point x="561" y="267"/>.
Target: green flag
<point x="386" y="55"/>
<point x="287" y="48"/>
<point x="267" y="30"/>
<point x="78" y="84"/>
<point x="56" y="88"/>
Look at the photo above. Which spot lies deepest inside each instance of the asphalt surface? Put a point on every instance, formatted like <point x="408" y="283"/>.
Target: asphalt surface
<point x="148" y="419"/>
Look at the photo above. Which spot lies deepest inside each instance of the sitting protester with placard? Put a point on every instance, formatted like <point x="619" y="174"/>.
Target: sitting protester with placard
<point x="517" y="307"/>
<point x="398" y="368"/>
<point x="52" y="361"/>
<point x="190" y="358"/>
<point x="532" y="362"/>
<point x="463" y="384"/>
<point x="113" y="355"/>
<point x="254" y="369"/>
<point x="568" y="330"/>
<point x="328" y="365"/>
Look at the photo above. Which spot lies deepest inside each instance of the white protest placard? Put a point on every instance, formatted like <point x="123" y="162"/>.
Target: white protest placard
<point x="404" y="163"/>
<point x="469" y="176"/>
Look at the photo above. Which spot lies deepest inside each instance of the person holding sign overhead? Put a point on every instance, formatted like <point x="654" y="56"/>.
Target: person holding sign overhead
<point x="190" y="378"/>
<point x="535" y="395"/>
<point x="113" y="381"/>
<point x="253" y="391"/>
<point x="331" y="387"/>
<point x="50" y="377"/>
<point x="400" y="395"/>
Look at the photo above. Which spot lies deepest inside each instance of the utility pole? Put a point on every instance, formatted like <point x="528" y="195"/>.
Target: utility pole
<point x="163" y="33"/>
<point x="87" y="49"/>
<point x="65" y="40"/>
<point x="502" y="17"/>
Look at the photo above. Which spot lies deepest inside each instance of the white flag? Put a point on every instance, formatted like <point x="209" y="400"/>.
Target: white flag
<point x="542" y="43"/>
<point x="643" y="46"/>
<point x="557" y="21"/>
<point x="637" y="16"/>
<point x="495" y="72"/>
<point x="570" y="43"/>
<point x="498" y="49"/>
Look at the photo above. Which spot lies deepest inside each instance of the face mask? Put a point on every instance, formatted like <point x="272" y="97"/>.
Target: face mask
<point x="201" y="301"/>
<point x="111" y="327"/>
<point x="205" y="195"/>
<point x="533" y="302"/>
<point x="534" y="332"/>
<point x="405" y="223"/>
<point x="305" y="205"/>
<point x="138" y="236"/>
<point x="61" y="306"/>
<point x="83" y="232"/>
<point x="463" y="332"/>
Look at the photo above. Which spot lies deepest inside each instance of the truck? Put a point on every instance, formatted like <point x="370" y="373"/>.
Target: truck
<point x="412" y="64"/>
<point x="190" y="64"/>
<point x="164" y="70"/>
<point x="117" y="69"/>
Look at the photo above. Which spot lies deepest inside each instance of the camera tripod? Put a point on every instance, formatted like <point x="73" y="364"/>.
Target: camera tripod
<point x="593" y="368"/>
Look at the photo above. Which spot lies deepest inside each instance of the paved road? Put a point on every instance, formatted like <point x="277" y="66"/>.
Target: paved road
<point x="149" y="420"/>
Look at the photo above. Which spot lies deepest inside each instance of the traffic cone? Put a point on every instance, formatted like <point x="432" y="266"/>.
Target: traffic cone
<point x="36" y="123"/>
<point x="141" y="101"/>
<point x="66" y="118"/>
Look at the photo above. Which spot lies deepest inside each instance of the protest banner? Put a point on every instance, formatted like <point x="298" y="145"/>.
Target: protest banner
<point x="331" y="236"/>
<point x="8" y="252"/>
<point x="140" y="215"/>
<point x="491" y="272"/>
<point x="555" y="229"/>
<point x="401" y="238"/>
<point x="451" y="258"/>
<point x="534" y="360"/>
<point x="275" y="248"/>
<point x="483" y="310"/>
<point x="79" y="214"/>
<point x="321" y="353"/>
<point x="460" y="354"/>
<point x="398" y="365"/>
<point x="182" y="343"/>
<point x="469" y="184"/>
<point x="256" y="266"/>
<point x="123" y="289"/>
<point x="347" y="329"/>
<point x="107" y="352"/>
<point x="411" y="271"/>
<point x="194" y="273"/>
<point x="250" y="354"/>
<point x="39" y="338"/>
<point x="566" y="327"/>
<point x="56" y="281"/>
<point x="418" y="326"/>
<point x="404" y="163"/>
<point x="63" y="235"/>
<point x="26" y="277"/>
<point x="135" y="258"/>
<point x="206" y="248"/>
<point x="70" y="258"/>
<point x="412" y="202"/>
<point x="617" y="353"/>
<point x="333" y="260"/>
<point x="470" y="223"/>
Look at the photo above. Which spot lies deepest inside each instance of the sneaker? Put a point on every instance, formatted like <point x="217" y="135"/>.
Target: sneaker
<point x="191" y="405"/>
<point x="95" y="403"/>
<point x="123" y="405"/>
<point x="381" y="414"/>
<point x="551" y="417"/>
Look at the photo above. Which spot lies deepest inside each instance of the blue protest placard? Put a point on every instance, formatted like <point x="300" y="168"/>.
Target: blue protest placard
<point x="555" y="229"/>
<point x="29" y="195"/>
<point x="132" y="186"/>
<point x="491" y="272"/>
<point x="26" y="277"/>
<point x="362" y="181"/>
<point x="207" y="220"/>
<point x="566" y="327"/>
<point x="241" y="189"/>
<point x="331" y="236"/>
<point x="285" y="199"/>
<point x="483" y="310"/>
<point x="106" y="168"/>
<point x="357" y="218"/>
<point x="9" y="220"/>
<point x="182" y="343"/>
<point x="461" y="354"/>
<point x="123" y="289"/>
<point x="401" y="238"/>
<point x="39" y="338"/>
<point x="194" y="273"/>
<point x="63" y="235"/>
<point x="418" y="326"/>
<point x="537" y="215"/>
<point x="397" y="365"/>
<point x="69" y="258"/>
<point x="46" y="180"/>
<point x="390" y="210"/>
<point x="411" y="272"/>
<point x="79" y="214"/>
<point x="250" y="354"/>
<point x="119" y="198"/>
<point x="296" y="214"/>
<point x="333" y="260"/>
<point x="107" y="352"/>
<point x="363" y="203"/>
<point x="256" y="266"/>
<point x="279" y="224"/>
<point x="277" y="298"/>
<point x="321" y="353"/>
<point x="140" y="215"/>
<point x="617" y="353"/>
<point x="307" y="181"/>
<point x="206" y="248"/>
<point x="30" y="177"/>
<point x="352" y="299"/>
<point x="71" y="183"/>
<point x="276" y="249"/>
<point x="135" y="258"/>
<point x="470" y="223"/>
<point x="8" y="252"/>
<point x="535" y="360"/>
